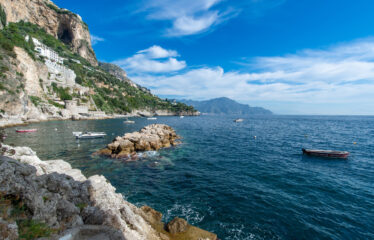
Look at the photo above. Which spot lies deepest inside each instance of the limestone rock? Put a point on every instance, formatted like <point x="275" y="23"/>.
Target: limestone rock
<point x="177" y="225"/>
<point x="91" y="232"/>
<point x="150" y="215"/>
<point x="150" y="138"/>
<point x="81" y="208"/>
<point x="8" y="230"/>
<point x="61" y="23"/>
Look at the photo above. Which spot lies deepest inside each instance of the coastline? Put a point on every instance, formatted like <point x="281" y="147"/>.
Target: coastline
<point x="53" y="189"/>
<point x="13" y="121"/>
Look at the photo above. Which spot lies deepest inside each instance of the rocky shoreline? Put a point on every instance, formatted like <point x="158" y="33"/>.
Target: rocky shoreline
<point x="17" y="120"/>
<point x="150" y="138"/>
<point x="67" y="205"/>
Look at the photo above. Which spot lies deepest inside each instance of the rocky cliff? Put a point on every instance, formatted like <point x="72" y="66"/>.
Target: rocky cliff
<point x="60" y="23"/>
<point x="50" y="199"/>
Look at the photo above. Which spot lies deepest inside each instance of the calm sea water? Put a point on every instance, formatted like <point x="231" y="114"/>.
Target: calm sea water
<point x="224" y="180"/>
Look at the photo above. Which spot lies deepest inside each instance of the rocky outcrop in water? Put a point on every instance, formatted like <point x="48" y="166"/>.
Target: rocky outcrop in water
<point x="150" y="138"/>
<point x="61" y="23"/>
<point x="64" y="204"/>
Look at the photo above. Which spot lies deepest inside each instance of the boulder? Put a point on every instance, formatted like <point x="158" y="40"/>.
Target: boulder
<point x="150" y="215"/>
<point x="177" y="225"/>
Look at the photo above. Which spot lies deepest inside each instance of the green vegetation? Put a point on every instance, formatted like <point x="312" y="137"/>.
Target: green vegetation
<point x="58" y="10"/>
<point x="63" y="93"/>
<point x="30" y="229"/>
<point x="35" y="100"/>
<point x="14" y="35"/>
<point x="19" y="212"/>
<point x="4" y="68"/>
<point x="81" y="206"/>
<point x="55" y="104"/>
<point x="3" y="87"/>
<point x="2" y="16"/>
<point x="115" y="96"/>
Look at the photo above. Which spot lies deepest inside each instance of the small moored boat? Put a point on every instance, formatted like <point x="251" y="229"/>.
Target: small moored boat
<point x="89" y="135"/>
<point x="181" y="116"/>
<point x="26" y="130"/>
<point x="128" y="121"/>
<point x="239" y="120"/>
<point x="151" y="118"/>
<point x="326" y="153"/>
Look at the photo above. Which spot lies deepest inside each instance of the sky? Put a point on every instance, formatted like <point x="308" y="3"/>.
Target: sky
<point x="289" y="56"/>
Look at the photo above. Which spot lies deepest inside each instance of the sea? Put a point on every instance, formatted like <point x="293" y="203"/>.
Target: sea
<point x="245" y="180"/>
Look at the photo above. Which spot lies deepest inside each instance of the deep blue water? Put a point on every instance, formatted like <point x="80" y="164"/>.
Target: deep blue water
<point x="224" y="180"/>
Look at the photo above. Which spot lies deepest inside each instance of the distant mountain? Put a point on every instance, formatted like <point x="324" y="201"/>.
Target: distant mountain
<point x="225" y="105"/>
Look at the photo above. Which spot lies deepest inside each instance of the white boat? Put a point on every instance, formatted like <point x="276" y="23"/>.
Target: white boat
<point x="239" y="120"/>
<point x="151" y="118"/>
<point x="129" y="121"/>
<point x="88" y="135"/>
<point x="181" y="116"/>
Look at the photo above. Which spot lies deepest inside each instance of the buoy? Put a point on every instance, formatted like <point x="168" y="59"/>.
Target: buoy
<point x="254" y="137"/>
<point x="354" y="143"/>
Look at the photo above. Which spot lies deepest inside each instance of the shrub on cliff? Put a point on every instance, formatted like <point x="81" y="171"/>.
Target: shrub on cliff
<point x="2" y="16"/>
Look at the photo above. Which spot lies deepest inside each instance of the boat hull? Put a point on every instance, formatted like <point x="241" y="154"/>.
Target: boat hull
<point x="326" y="153"/>
<point x="26" y="130"/>
<point x="89" y="137"/>
<point x="129" y="122"/>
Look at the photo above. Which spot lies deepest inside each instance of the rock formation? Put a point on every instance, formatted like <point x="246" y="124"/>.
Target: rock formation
<point x="38" y="75"/>
<point x="60" y="23"/>
<point x="149" y="138"/>
<point x="74" y="207"/>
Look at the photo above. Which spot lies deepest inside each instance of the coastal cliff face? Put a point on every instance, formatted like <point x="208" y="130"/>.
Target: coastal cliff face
<point x="60" y="23"/>
<point x="62" y="203"/>
<point x="48" y="71"/>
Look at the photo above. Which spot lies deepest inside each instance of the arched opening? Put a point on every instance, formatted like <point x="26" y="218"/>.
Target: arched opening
<point x="65" y="34"/>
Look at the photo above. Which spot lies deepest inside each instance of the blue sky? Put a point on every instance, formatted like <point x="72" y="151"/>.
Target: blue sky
<point x="290" y="56"/>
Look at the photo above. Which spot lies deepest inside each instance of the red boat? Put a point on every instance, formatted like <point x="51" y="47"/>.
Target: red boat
<point x="326" y="153"/>
<point x="26" y="130"/>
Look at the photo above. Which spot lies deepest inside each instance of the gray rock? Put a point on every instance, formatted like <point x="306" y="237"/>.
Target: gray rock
<point x="63" y="198"/>
<point x="8" y="230"/>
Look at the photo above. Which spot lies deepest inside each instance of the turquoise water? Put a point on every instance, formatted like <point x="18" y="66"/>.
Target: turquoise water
<point x="226" y="181"/>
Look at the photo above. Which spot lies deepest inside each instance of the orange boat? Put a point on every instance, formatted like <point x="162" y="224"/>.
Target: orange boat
<point x="326" y="153"/>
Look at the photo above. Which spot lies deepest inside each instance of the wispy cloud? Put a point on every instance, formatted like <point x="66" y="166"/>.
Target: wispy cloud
<point x="152" y="60"/>
<point x="339" y="75"/>
<point x="188" y="17"/>
<point x="96" y="39"/>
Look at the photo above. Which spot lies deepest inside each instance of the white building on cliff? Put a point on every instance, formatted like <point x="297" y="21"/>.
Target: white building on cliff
<point x="58" y="73"/>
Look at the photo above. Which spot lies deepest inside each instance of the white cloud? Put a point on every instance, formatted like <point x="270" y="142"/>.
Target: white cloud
<point x="96" y="39"/>
<point x="152" y="60"/>
<point x="339" y="76"/>
<point x="188" y="25"/>
<point x="188" y="17"/>
<point x="158" y="52"/>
